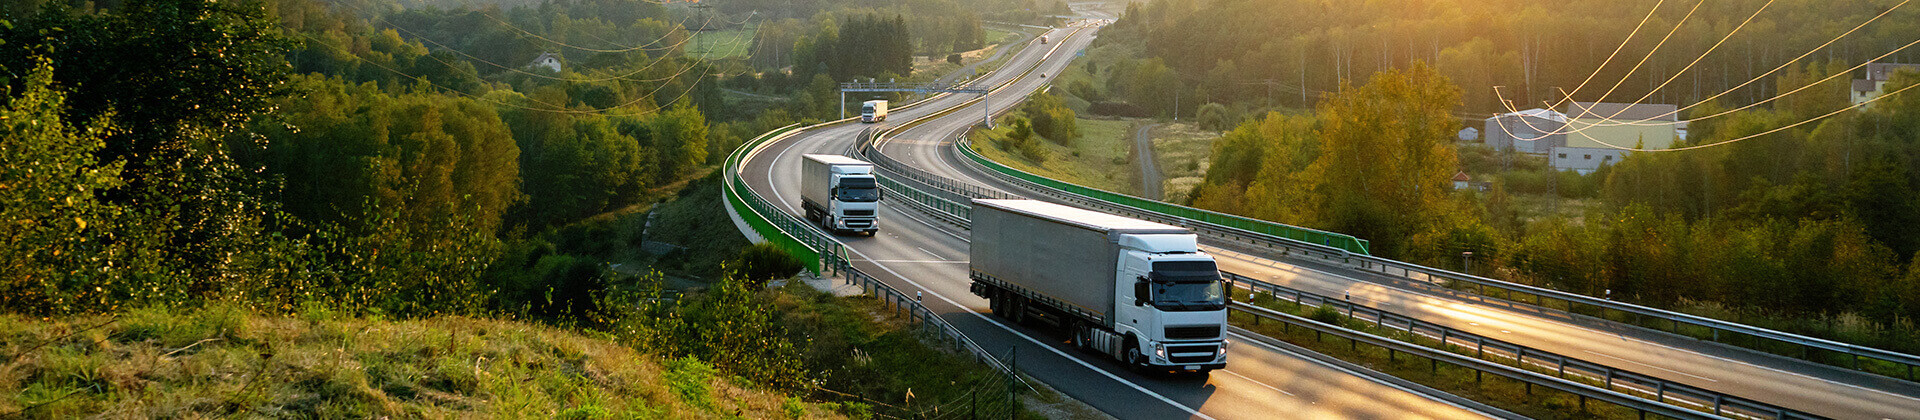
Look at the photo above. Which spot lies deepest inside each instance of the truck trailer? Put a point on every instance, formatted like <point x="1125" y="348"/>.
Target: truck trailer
<point x="1137" y="291"/>
<point x="840" y="193"/>
<point x="873" y="111"/>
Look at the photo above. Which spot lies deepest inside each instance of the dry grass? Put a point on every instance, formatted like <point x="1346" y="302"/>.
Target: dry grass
<point x="1183" y="152"/>
<point x="222" y="361"/>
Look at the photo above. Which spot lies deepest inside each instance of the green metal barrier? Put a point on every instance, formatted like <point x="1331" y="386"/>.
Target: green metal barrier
<point x="780" y="229"/>
<point x="1337" y="240"/>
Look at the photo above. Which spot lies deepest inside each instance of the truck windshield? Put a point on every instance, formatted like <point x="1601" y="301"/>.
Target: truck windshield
<point x="867" y="110"/>
<point x="858" y="190"/>
<point x="1187" y="286"/>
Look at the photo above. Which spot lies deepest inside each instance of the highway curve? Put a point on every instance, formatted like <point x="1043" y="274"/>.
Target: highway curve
<point x="914" y="253"/>
<point x="1791" y="383"/>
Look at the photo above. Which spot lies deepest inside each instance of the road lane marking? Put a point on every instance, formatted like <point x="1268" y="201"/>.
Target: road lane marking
<point x="936" y="256"/>
<point x="1043" y="345"/>
<point x="1277" y="349"/>
<point x="1647" y="365"/>
<point x="1256" y="382"/>
<point x="1437" y="300"/>
<point x="918" y="261"/>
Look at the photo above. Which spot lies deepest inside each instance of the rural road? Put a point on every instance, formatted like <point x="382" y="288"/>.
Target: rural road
<point x="1150" y="182"/>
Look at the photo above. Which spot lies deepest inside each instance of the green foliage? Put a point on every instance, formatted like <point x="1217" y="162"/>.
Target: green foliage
<point x="1531" y="49"/>
<point x="1216" y="117"/>
<point x="864" y="46"/>
<point x="424" y="156"/>
<point x="690" y="379"/>
<point x="53" y="219"/>
<point x="1020" y="138"/>
<point x="1051" y="118"/>
<point x="1374" y="162"/>
<point x="762" y="262"/>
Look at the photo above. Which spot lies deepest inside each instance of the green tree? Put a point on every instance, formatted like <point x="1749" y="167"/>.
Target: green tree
<point x="56" y="227"/>
<point x="1387" y="153"/>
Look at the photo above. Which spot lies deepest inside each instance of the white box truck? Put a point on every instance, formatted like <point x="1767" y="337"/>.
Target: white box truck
<point x="1138" y="291"/>
<point x="873" y="111"/>
<point x="840" y="193"/>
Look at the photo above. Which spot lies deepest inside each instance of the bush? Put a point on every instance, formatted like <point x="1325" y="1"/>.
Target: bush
<point x="953" y="58"/>
<point x="762" y="262"/>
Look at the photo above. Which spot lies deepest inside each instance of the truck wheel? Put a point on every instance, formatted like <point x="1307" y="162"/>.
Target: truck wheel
<point x="1020" y="310"/>
<point x="1080" y="339"/>
<point x="995" y="304"/>
<point x="1135" y="360"/>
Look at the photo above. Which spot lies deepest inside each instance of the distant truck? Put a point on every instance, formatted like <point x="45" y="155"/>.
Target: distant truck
<point x="873" y="111"/>
<point x="840" y="193"/>
<point x="1137" y="291"/>
<point x="1043" y="39"/>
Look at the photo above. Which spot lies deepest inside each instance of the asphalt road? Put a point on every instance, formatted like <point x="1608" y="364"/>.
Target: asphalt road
<point x="1150" y="179"/>
<point x="1800" y="385"/>
<point x="914" y="253"/>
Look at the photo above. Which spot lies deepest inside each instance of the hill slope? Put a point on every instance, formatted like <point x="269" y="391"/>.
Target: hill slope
<point x="224" y="361"/>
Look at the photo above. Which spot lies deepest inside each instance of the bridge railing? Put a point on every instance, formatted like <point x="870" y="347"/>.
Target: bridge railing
<point x="763" y="221"/>
<point x="1493" y="349"/>
<point x="1323" y="249"/>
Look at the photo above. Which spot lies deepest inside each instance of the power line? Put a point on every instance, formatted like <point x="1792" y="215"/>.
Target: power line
<point x="1788" y="63"/>
<point x="1623" y="78"/>
<point x="1861" y="105"/>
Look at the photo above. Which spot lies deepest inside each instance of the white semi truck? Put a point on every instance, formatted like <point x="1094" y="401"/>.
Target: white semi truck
<point x="873" y="111"/>
<point x="1138" y="291"/>
<point x="840" y="193"/>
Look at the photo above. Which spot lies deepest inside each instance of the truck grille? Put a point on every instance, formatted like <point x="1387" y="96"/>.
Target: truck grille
<point x="859" y="212"/>
<point x="1193" y="332"/>
<point x="1192" y="354"/>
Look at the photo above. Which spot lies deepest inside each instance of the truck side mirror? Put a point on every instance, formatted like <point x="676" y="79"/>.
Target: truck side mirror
<point x="1140" y="292"/>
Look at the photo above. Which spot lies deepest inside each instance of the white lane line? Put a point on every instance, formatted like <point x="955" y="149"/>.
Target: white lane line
<point x="935" y="256"/>
<point x="1256" y="382"/>
<point x="1431" y="299"/>
<point x="919" y="261"/>
<point x="889" y="270"/>
<point x="1277" y="349"/>
<point x="1076" y="360"/>
<point x="1647" y="365"/>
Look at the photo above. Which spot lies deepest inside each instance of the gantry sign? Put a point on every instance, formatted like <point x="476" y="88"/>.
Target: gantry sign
<point x="932" y="87"/>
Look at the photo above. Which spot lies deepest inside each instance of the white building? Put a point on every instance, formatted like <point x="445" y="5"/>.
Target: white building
<point x="547" y="60"/>
<point x="1469" y="134"/>
<point x="1876" y="82"/>
<point x="1534" y="131"/>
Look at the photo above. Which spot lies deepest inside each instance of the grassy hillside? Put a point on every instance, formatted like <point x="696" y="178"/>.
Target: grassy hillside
<point x="1101" y="157"/>
<point x="223" y="361"/>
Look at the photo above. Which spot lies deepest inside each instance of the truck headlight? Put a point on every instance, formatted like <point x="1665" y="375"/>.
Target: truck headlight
<point x="1223" y="347"/>
<point x="1160" y="350"/>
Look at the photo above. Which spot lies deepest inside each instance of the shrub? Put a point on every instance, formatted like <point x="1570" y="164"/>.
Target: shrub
<point x="762" y="262"/>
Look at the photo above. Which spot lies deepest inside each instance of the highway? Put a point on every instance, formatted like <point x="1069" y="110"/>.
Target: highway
<point x="914" y="253"/>
<point x="1792" y="383"/>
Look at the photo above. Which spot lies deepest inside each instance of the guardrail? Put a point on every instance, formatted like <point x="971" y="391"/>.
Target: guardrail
<point x="1562" y="366"/>
<point x="1897" y="365"/>
<point x="1394" y="347"/>
<point x="1312" y="236"/>
<point x="822" y="251"/>
<point x="1612" y="379"/>
<point x="1661" y="390"/>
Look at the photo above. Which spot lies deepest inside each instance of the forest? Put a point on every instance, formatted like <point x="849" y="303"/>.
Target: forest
<point x="1796" y="212"/>
<point x="414" y="160"/>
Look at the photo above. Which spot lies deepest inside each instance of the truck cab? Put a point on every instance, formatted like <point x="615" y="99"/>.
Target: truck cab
<point x="873" y="111"/>
<point x="1175" y="303"/>
<point x="840" y="193"/>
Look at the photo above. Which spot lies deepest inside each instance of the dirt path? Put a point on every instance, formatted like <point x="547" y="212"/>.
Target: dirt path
<point x="1150" y="181"/>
